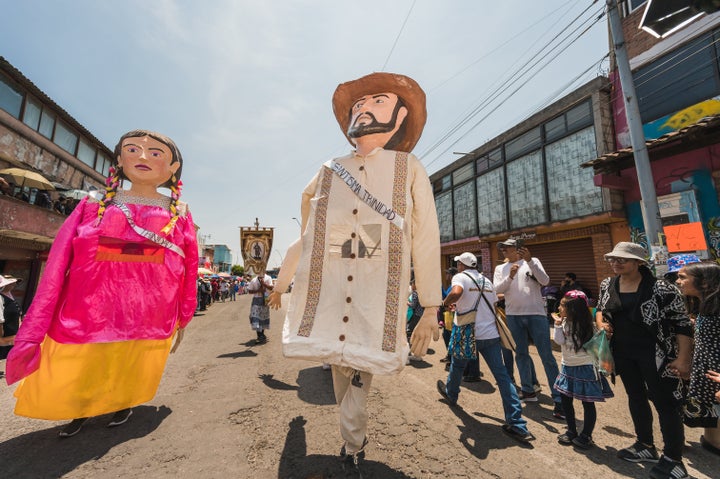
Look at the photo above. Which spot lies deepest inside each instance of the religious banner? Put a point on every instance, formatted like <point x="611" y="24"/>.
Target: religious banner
<point x="256" y="245"/>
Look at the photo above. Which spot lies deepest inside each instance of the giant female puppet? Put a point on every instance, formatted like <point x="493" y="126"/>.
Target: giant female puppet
<point x="119" y="282"/>
<point x="365" y="218"/>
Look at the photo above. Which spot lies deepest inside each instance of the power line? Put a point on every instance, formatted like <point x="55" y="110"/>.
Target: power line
<point x="398" y="36"/>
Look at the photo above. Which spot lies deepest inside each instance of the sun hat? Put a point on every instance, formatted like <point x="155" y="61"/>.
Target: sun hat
<point x="7" y="280"/>
<point x="468" y="259"/>
<point x="675" y="263"/>
<point x="346" y="94"/>
<point x="628" y="250"/>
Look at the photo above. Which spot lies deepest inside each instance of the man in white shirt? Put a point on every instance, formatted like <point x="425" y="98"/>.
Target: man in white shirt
<point x="468" y="289"/>
<point x="520" y="280"/>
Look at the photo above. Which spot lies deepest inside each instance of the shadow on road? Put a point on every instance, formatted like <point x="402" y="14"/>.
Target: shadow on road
<point x="44" y="454"/>
<point x="296" y="464"/>
<point x="248" y="353"/>
<point x="316" y="386"/>
<point x="272" y="383"/>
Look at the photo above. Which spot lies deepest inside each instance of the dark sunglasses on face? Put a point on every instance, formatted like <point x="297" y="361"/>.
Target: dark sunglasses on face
<point x="617" y="260"/>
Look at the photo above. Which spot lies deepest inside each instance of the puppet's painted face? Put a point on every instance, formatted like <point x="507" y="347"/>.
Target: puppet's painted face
<point x="146" y="161"/>
<point x="377" y="113"/>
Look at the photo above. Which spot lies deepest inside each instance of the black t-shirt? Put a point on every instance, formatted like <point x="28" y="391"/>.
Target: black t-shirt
<point x="630" y="338"/>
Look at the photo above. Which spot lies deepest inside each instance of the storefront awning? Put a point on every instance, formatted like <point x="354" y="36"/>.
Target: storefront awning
<point x="700" y="134"/>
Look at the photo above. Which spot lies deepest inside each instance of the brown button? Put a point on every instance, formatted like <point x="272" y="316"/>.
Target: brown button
<point x="342" y="337"/>
<point x="362" y="168"/>
<point x="355" y="211"/>
<point x="349" y="278"/>
<point x="348" y="299"/>
<point x="352" y="235"/>
<point x="352" y="255"/>
<point x="345" y="319"/>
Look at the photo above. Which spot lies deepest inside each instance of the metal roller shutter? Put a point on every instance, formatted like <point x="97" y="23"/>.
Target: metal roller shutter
<point x="574" y="256"/>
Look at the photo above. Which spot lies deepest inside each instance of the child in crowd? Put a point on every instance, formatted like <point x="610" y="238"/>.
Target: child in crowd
<point x="578" y="378"/>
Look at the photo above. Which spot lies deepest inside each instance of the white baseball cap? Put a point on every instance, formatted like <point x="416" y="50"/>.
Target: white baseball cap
<point x="468" y="259"/>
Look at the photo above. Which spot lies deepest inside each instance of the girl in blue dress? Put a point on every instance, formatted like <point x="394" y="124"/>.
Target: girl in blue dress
<point x="578" y="378"/>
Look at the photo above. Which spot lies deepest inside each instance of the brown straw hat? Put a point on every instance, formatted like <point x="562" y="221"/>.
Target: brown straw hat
<point x="405" y="87"/>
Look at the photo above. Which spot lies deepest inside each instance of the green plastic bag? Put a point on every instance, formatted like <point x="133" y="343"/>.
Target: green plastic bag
<point x="599" y="349"/>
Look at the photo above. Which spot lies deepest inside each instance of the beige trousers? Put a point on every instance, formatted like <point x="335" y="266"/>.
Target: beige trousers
<point x="353" y="406"/>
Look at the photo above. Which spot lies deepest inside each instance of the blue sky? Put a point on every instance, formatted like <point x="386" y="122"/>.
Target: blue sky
<point x="244" y="87"/>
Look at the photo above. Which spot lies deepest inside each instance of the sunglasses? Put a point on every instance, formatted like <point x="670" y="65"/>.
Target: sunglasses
<point x="617" y="260"/>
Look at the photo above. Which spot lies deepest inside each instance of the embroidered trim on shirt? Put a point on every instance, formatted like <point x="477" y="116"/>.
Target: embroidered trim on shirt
<point x="316" y="258"/>
<point x="123" y="196"/>
<point x="395" y="257"/>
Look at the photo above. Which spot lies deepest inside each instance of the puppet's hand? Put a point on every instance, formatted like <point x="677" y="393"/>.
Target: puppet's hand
<point x="22" y="361"/>
<point x="178" y="339"/>
<point x="425" y="330"/>
<point x="275" y="300"/>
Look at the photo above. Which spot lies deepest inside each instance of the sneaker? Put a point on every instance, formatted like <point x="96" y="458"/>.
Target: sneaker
<point x="537" y="388"/>
<point x="73" y="428"/>
<point x="471" y="379"/>
<point x="558" y="411"/>
<point x="567" y="438"/>
<point x="639" y="452"/>
<point x="667" y="468"/>
<point x="120" y="417"/>
<point x="517" y="433"/>
<point x="528" y="397"/>
<point x="412" y="357"/>
<point x="583" y="442"/>
<point x="353" y="460"/>
<point x="326" y="367"/>
<point x="443" y="392"/>
<point x="446" y="359"/>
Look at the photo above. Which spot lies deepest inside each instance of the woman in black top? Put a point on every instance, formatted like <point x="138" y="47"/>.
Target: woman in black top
<point x="651" y="340"/>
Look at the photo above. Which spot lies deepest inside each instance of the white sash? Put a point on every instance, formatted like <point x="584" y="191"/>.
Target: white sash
<point x="365" y="196"/>
<point x="155" y="238"/>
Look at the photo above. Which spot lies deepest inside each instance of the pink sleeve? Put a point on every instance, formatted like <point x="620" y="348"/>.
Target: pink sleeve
<point x="188" y="293"/>
<point x="24" y="357"/>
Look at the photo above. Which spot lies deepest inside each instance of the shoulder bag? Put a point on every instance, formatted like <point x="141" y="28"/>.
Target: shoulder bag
<point x="468" y="317"/>
<point x="506" y="338"/>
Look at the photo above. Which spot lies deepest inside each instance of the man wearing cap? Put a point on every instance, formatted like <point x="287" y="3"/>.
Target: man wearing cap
<point x="365" y="217"/>
<point x="520" y="280"/>
<point x="468" y="289"/>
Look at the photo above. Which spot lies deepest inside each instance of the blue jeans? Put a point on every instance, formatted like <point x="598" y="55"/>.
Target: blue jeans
<point x="491" y="352"/>
<point x="537" y="327"/>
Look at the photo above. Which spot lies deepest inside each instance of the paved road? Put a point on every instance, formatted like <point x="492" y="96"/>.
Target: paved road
<point x="229" y="408"/>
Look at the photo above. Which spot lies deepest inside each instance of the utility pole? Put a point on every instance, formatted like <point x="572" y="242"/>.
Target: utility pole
<point x="648" y="202"/>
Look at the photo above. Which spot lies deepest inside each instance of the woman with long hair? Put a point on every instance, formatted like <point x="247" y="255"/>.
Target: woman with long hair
<point x="700" y="284"/>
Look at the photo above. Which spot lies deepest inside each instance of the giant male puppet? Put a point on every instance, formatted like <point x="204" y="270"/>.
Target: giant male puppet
<point x="366" y="217"/>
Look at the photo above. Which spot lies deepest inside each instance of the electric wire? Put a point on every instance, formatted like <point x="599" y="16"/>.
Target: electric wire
<point x="392" y="49"/>
<point x="526" y="70"/>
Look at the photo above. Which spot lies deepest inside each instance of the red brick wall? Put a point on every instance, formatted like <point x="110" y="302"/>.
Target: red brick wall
<point x="636" y="39"/>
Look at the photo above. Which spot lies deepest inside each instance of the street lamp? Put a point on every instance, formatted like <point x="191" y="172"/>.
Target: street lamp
<point x="297" y="221"/>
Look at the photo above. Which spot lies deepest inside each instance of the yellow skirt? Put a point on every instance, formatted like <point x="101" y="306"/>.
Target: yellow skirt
<point x="84" y="380"/>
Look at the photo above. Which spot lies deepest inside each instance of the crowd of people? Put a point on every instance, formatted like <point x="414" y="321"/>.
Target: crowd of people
<point x="216" y="289"/>
<point x="60" y="204"/>
<point x="664" y="338"/>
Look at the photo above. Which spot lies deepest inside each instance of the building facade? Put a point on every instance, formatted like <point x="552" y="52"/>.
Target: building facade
<point x="37" y="135"/>
<point x="678" y="91"/>
<point x="527" y="183"/>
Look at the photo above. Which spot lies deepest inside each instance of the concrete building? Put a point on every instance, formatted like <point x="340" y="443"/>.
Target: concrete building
<point x="678" y="91"/>
<point x="528" y="183"/>
<point x="38" y="135"/>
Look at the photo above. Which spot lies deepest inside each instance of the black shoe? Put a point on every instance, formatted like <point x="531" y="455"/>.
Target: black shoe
<point x="517" y="434"/>
<point x="567" y="438"/>
<point x="528" y="397"/>
<point x="558" y="411"/>
<point x="471" y="379"/>
<point x="446" y="359"/>
<point x="120" y="417"/>
<point x="443" y="392"/>
<point x="639" y="452"/>
<point x="583" y="442"/>
<point x="667" y="468"/>
<point x="73" y="428"/>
